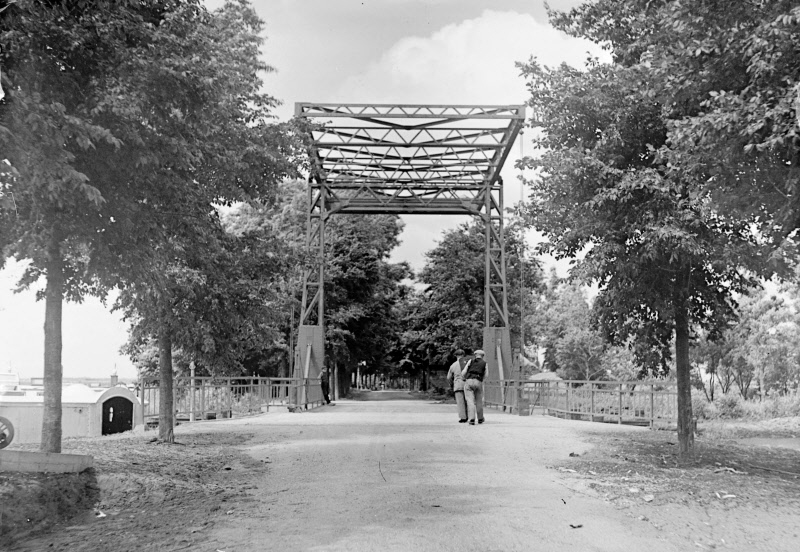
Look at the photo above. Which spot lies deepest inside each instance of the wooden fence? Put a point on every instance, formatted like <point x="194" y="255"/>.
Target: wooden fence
<point x="654" y="404"/>
<point x="209" y="398"/>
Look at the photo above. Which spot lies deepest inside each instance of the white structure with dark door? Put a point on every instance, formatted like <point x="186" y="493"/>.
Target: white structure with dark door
<point x="86" y="412"/>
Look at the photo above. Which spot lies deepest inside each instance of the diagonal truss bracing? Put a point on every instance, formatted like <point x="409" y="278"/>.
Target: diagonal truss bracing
<point x="410" y="159"/>
<point x="389" y="146"/>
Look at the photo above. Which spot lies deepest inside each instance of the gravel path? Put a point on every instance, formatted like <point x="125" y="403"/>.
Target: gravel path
<point x="391" y="474"/>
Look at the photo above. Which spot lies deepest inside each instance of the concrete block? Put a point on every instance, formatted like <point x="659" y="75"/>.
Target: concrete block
<point x="44" y="462"/>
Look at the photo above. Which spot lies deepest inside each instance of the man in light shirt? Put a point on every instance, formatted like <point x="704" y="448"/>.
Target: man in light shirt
<point x="457" y="384"/>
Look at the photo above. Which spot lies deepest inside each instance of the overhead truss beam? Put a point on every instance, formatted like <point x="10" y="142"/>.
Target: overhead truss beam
<point x="410" y="159"/>
<point x="460" y="145"/>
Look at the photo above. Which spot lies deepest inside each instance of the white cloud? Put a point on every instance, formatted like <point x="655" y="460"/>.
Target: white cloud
<point x="468" y="62"/>
<point x="471" y="62"/>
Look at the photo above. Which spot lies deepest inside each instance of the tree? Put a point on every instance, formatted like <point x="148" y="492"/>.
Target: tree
<point x="362" y="289"/>
<point x="664" y="259"/>
<point x="208" y="140"/>
<point x="227" y="308"/>
<point x="769" y="341"/>
<point x="449" y="312"/>
<point x="125" y="121"/>
<point x="710" y="359"/>
<point x="580" y="352"/>
<point x="54" y="56"/>
<point x="619" y="363"/>
<point x="563" y="328"/>
<point x="730" y="77"/>
<point x="281" y="224"/>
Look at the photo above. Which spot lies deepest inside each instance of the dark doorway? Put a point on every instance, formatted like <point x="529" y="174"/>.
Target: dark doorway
<point x="117" y="415"/>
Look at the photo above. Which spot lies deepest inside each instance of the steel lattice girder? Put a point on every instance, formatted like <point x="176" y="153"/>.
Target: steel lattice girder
<point x="410" y="159"/>
<point x="402" y="151"/>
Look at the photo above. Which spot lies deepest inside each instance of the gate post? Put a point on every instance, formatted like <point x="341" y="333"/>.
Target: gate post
<point x="191" y="391"/>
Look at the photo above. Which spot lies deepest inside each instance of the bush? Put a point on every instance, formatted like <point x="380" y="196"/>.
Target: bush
<point x="730" y="406"/>
<point x="701" y="408"/>
<point x="784" y="406"/>
<point x="733" y="406"/>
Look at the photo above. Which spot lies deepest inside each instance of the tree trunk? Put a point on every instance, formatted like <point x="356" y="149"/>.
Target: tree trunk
<point x="54" y="297"/>
<point x="683" y="373"/>
<point x="166" y="406"/>
<point x="347" y="379"/>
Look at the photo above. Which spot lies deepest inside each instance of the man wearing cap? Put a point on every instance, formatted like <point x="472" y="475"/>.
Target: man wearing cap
<point x="473" y="375"/>
<point x="457" y="384"/>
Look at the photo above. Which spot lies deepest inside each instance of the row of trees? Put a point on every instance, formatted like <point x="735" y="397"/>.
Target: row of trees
<point x="362" y="288"/>
<point x="141" y="157"/>
<point x="760" y="354"/>
<point x="447" y="310"/>
<point x="673" y="168"/>
<point x="123" y="127"/>
<point x="754" y="355"/>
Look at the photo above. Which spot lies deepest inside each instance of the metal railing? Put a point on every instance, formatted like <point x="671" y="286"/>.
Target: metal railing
<point x="209" y="398"/>
<point x="624" y="402"/>
<point x="502" y="394"/>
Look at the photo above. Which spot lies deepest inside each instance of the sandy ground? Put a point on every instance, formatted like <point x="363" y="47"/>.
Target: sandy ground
<point x="394" y="474"/>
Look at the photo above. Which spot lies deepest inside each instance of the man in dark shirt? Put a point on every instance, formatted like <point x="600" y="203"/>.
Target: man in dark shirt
<point x="323" y="382"/>
<point x="473" y="375"/>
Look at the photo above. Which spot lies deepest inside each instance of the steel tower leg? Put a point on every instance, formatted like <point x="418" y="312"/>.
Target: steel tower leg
<point x="310" y="350"/>
<point x="496" y="335"/>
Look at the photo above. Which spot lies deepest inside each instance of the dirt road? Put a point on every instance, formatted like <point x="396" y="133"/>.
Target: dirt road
<point x="390" y="474"/>
<point x="405" y="476"/>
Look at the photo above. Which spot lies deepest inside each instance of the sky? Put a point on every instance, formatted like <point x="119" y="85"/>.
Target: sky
<point x="331" y="51"/>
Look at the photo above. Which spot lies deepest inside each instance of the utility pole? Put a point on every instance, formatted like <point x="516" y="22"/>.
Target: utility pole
<point x="521" y="266"/>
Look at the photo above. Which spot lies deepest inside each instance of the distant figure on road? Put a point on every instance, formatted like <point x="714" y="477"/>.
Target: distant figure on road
<point x="457" y="384"/>
<point x="473" y="375"/>
<point x="323" y="382"/>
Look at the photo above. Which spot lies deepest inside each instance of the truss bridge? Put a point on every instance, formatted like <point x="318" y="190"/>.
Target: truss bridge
<point x="408" y="159"/>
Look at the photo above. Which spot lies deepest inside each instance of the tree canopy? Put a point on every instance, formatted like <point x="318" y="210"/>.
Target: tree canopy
<point x="616" y="185"/>
<point x="124" y="123"/>
<point x="447" y="314"/>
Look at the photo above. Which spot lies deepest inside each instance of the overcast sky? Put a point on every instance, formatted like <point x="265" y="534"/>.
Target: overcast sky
<point x="348" y="51"/>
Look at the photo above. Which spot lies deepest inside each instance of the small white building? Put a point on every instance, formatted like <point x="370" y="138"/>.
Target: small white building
<point x="9" y="382"/>
<point x="85" y="411"/>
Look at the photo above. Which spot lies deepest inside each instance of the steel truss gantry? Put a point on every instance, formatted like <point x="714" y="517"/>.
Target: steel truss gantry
<point x="408" y="159"/>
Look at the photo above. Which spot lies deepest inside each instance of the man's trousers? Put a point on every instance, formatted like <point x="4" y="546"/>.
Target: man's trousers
<point x="473" y="393"/>
<point x="462" y="404"/>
